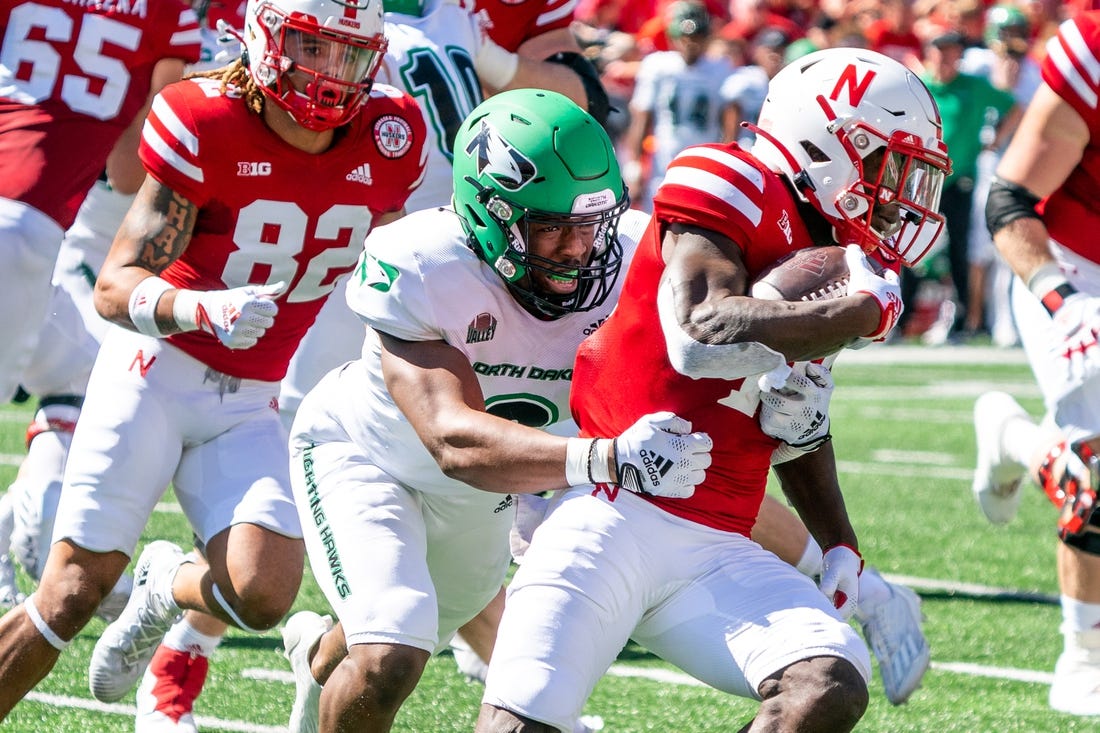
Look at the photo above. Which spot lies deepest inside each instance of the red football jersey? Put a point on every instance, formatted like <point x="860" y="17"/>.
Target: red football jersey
<point x="623" y="371"/>
<point x="73" y="74"/>
<point x="1072" y="58"/>
<point x="269" y="212"/>
<point x="511" y="22"/>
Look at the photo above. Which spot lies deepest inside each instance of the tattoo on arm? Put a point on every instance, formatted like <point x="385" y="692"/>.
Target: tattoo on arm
<point x="164" y="242"/>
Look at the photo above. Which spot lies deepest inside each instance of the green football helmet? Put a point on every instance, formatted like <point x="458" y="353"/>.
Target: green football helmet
<point x="532" y="157"/>
<point x="1007" y="27"/>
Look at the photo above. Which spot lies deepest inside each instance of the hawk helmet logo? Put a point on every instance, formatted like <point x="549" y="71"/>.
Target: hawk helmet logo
<point x="499" y="160"/>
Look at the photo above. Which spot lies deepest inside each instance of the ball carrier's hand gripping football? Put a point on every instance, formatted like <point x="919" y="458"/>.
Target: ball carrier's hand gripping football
<point x="657" y="455"/>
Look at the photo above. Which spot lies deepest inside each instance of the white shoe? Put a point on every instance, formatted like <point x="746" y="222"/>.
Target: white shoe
<point x="126" y="646"/>
<point x="588" y="724"/>
<point x="110" y="608"/>
<point x="300" y="635"/>
<point x="467" y="660"/>
<point x="997" y="479"/>
<point x="1076" y="687"/>
<point x="10" y="597"/>
<point x="893" y="631"/>
<point x="168" y="690"/>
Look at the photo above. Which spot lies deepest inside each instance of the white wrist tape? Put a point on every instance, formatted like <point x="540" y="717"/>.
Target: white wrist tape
<point x="1045" y="278"/>
<point x="576" y="461"/>
<point x="598" y="460"/>
<point x="495" y="66"/>
<point x="185" y="310"/>
<point x="143" y="305"/>
<point x="586" y="461"/>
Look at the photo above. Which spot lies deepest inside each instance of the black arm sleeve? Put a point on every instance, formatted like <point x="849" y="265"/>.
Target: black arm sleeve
<point x="1008" y="202"/>
<point x="599" y="106"/>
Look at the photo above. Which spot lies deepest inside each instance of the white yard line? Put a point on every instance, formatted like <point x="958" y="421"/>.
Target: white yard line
<point x="203" y="721"/>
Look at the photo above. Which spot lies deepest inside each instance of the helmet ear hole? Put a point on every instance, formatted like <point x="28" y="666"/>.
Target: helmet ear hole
<point x="817" y="155"/>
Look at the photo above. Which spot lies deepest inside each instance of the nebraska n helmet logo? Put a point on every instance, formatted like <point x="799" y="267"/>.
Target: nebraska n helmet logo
<point x="499" y="160"/>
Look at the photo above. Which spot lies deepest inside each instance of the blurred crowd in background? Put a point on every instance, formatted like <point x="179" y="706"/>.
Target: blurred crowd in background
<point x="683" y="72"/>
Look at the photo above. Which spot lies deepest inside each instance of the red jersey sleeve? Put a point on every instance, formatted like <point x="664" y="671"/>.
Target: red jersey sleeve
<point x="715" y="187"/>
<point x="512" y="23"/>
<point x="170" y="143"/>
<point x="396" y="122"/>
<point x="1071" y="66"/>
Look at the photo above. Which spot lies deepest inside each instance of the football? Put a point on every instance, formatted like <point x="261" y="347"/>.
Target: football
<point x="813" y="273"/>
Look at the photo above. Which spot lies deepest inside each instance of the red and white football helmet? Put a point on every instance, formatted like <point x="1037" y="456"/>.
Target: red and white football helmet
<point x="859" y="137"/>
<point x="315" y="58"/>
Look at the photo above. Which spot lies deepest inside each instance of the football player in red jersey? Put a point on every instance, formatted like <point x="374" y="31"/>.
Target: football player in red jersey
<point x="848" y="150"/>
<point x="530" y="44"/>
<point x="218" y="269"/>
<point x="1042" y="213"/>
<point x="73" y="78"/>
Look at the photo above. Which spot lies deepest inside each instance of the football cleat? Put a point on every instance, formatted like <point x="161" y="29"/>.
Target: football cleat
<point x="997" y="479"/>
<point x="169" y="687"/>
<point x="468" y="661"/>
<point x="1076" y="686"/>
<point x="893" y="631"/>
<point x="10" y="597"/>
<point x="126" y="646"/>
<point x="588" y="724"/>
<point x="111" y="607"/>
<point x="300" y="635"/>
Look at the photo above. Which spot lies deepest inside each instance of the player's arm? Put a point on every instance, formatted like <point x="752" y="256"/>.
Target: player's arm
<point x="712" y="327"/>
<point x="124" y="170"/>
<point x="810" y="484"/>
<point x="641" y="124"/>
<point x="1046" y="148"/>
<point x="130" y="292"/>
<point x="551" y="61"/>
<point x="436" y="388"/>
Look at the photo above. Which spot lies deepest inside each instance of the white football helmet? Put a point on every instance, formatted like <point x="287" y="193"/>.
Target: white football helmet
<point x="315" y="58"/>
<point x="859" y="137"/>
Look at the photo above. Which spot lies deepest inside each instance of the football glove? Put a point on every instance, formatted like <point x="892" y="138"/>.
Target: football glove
<point x="884" y="288"/>
<point x="798" y="412"/>
<point x="659" y="455"/>
<point x="840" y="569"/>
<point x="1074" y="347"/>
<point x="237" y="317"/>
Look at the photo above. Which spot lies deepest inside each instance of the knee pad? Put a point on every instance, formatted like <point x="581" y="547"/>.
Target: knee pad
<point x="1070" y="476"/>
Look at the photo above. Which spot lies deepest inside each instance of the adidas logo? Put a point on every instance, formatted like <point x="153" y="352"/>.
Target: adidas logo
<point x="504" y="504"/>
<point x="361" y="174"/>
<point x="655" y="467"/>
<point x="591" y="329"/>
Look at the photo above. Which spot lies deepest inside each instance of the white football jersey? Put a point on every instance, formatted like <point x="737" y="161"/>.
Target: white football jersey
<point x="685" y="101"/>
<point x="431" y="58"/>
<point x="419" y="281"/>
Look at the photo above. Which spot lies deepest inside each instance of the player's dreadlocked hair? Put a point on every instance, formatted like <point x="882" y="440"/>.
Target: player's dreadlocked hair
<point x="236" y="75"/>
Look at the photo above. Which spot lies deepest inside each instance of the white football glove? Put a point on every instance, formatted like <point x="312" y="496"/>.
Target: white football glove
<point x="798" y="412"/>
<point x="884" y="288"/>
<point x="840" y="569"/>
<point x="237" y="317"/>
<point x="659" y="455"/>
<point x="494" y="65"/>
<point x="1074" y="348"/>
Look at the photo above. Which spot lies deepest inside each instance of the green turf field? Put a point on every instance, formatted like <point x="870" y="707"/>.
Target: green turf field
<point x="905" y="444"/>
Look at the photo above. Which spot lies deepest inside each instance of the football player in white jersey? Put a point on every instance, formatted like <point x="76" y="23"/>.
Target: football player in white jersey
<point x="404" y="462"/>
<point x="677" y="97"/>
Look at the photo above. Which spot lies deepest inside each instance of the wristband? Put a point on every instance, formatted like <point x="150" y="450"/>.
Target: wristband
<point x="598" y="458"/>
<point x="143" y="305"/>
<point x="189" y="313"/>
<point x="1050" y="286"/>
<point x="845" y="544"/>
<point x="495" y="66"/>
<point x="578" y="452"/>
